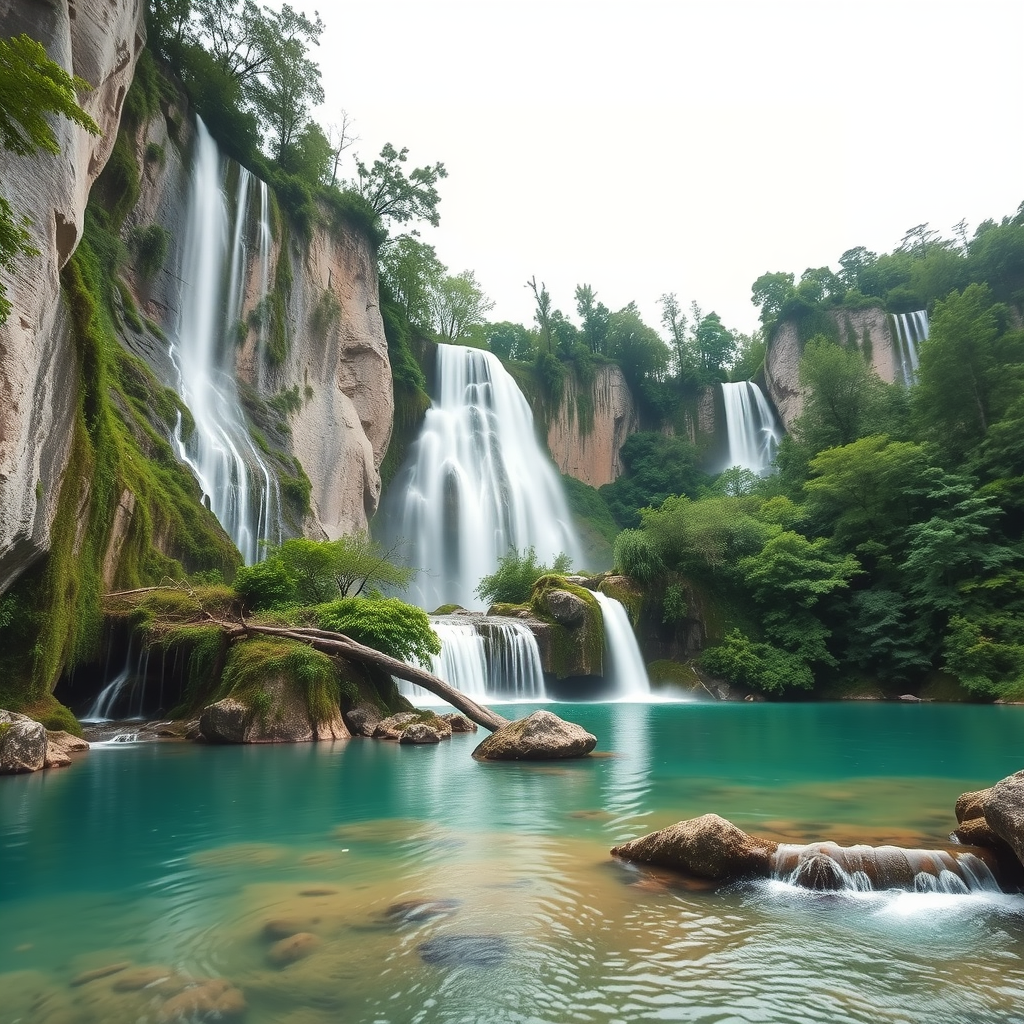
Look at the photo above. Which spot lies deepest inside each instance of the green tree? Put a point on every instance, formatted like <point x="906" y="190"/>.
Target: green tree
<point x="770" y="293"/>
<point x="458" y="304"/>
<point x="396" y="196"/>
<point x="509" y="341"/>
<point x="542" y="313"/>
<point x="411" y="270"/>
<point x="517" y="571"/>
<point x="594" y="317"/>
<point x="32" y="88"/>
<point x="715" y="347"/>
<point x="386" y="624"/>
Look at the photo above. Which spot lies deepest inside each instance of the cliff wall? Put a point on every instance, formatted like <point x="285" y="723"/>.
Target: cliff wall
<point x="607" y="408"/>
<point x="98" y="40"/>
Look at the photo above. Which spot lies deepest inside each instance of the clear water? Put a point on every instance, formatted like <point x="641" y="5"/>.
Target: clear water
<point x="179" y="855"/>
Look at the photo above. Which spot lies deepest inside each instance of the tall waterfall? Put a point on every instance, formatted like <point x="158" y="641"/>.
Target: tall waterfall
<point x="485" y="660"/>
<point x="910" y="330"/>
<point x="476" y="484"/>
<point x="237" y="483"/>
<point x="624" y="665"/>
<point x="752" y="429"/>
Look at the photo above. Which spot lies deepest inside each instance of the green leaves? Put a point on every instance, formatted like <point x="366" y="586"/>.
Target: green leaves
<point x="396" y="196"/>
<point x="512" y="582"/>
<point x="386" y="624"/>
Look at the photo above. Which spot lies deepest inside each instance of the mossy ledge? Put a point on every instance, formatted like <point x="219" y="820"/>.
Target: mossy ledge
<point x="570" y="649"/>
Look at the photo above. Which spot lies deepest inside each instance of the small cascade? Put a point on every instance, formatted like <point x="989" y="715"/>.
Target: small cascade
<point x="486" y="660"/>
<point x="910" y="330"/>
<point x="477" y="483"/>
<point x="238" y="485"/>
<point x="624" y="664"/>
<point x="826" y="866"/>
<point x="264" y="239"/>
<point x="125" y="695"/>
<point x="751" y="427"/>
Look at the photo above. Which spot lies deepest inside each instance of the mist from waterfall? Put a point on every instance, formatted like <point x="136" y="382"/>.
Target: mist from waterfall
<point x="476" y="485"/>
<point x="238" y="485"/>
<point x="910" y="329"/>
<point x="752" y="430"/>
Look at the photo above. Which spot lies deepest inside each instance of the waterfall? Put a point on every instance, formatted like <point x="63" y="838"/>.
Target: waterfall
<point x="826" y="866"/>
<point x="485" y="659"/>
<point x="237" y="484"/>
<point x="909" y="329"/>
<point x="125" y="695"/>
<point x="476" y="484"/>
<point x="623" y="663"/>
<point x="751" y="427"/>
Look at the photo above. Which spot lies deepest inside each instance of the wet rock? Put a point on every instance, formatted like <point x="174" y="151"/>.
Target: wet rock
<point x="1004" y="812"/>
<point x="976" y="831"/>
<point x="285" y="927"/>
<point x="972" y="805"/>
<point x="541" y="736"/>
<point x="225" y="721"/>
<point x="819" y="872"/>
<point x="459" y="723"/>
<point x="391" y="728"/>
<point x="294" y="947"/>
<point x="465" y="950"/>
<point x="419" y="733"/>
<point x="138" y="978"/>
<point x="99" y="972"/>
<point x="22" y="745"/>
<point x="565" y="608"/>
<point x="362" y="719"/>
<point x="415" y="911"/>
<point x="333" y="729"/>
<point x="708" y="846"/>
<point x="59" y="747"/>
<point x="215" y="999"/>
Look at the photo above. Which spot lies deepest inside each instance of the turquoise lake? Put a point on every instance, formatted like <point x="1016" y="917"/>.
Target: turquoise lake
<point x="435" y="888"/>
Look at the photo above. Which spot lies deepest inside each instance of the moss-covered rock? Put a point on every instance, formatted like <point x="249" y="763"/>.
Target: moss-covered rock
<point x="542" y="736"/>
<point x="568" y="651"/>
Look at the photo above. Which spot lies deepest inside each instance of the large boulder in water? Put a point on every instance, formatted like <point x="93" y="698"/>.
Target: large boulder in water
<point x="708" y="847"/>
<point x="22" y="744"/>
<point x="1004" y="812"/>
<point x="541" y="736"/>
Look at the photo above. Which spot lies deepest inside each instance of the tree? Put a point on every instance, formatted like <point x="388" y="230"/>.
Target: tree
<point x="542" y="314"/>
<point x="509" y="341"/>
<point x="673" y="319"/>
<point x="637" y="348"/>
<point x="412" y="272"/>
<point x="715" y="347"/>
<point x="852" y="264"/>
<point x="458" y="304"/>
<point x="340" y="137"/>
<point x="820" y="285"/>
<point x="769" y="293"/>
<point x="395" y="196"/>
<point x="512" y="581"/>
<point x="32" y="87"/>
<point x="594" y="316"/>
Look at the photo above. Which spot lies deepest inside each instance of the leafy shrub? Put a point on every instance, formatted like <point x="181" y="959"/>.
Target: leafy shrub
<point x="636" y="556"/>
<point x="761" y="666"/>
<point x="512" y="582"/>
<point x="386" y="624"/>
<point x="265" y="585"/>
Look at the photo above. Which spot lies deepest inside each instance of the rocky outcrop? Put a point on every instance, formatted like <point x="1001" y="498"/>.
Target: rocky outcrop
<point x="590" y="451"/>
<point x="541" y="736"/>
<point x="708" y="847"/>
<point x="99" y="42"/>
<point x="26" y="745"/>
<point x="279" y="714"/>
<point x="994" y="817"/>
<point x="869" y="331"/>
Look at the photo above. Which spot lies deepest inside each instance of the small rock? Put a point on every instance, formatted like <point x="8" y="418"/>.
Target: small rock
<point x="414" y="911"/>
<point x="285" y="927"/>
<point x="391" y="728"/>
<point x="144" y="977"/>
<point x="419" y="732"/>
<point x="465" y="950"/>
<point x="295" y="947"/>
<point x="910" y="698"/>
<point x="541" y="736"/>
<point x="99" y="972"/>
<point x="459" y="723"/>
<point x="215" y="999"/>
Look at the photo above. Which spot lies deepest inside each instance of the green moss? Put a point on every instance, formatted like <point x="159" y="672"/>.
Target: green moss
<point x="627" y="593"/>
<point x="128" y="309"/>
<point x="571" y="648"/>
<point x="448" y="609"/>
<point x="198" y="652"/>
<point x="149" y="246"/>
<point x="679" y="674"/>
<point x="4" y="729"/>
<point x="297" y="489"/>
<point x="276" y="312"/>
<point x="119" y="184"/>
<point x="326" y="315"/>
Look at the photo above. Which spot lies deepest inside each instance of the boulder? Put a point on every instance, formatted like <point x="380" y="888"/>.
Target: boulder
<point x="1004" y="812"/>
<point x="392" y="727"/>
<point x="363" y="719"/>
<point x="294" y="947"/>
<point x="225" y="721"/>
<point x="541" y="736"/>
<point x="333" y="729"/>
<point x="566" y="609"/>
<point x="708" y="847"/>
<point x="972" y="805"/>
<point x="420" y="732"/>
<point x="22" y="746"/>
<point x="59" y="747"/>
<point x="459" y="723"/>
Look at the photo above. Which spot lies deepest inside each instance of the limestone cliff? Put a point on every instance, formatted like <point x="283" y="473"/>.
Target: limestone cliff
<point x="98" y="40"/>
<point x="591" y="425"/>
<point x="868" y="330"/>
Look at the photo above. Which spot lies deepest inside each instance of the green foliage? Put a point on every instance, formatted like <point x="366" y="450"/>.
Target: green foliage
<point x="326" y="315"/>
<point x="297" y="489"/>
<point x="266" y="584"/>
<point x="758" y="665"/>
<point x="513" y="580"/>
<point x="396" y="196"/>
<point x="149" y="246"/>
<point x="120" y="183"/>
<point x="637" y="557"/>
<point x="386" y="624"/>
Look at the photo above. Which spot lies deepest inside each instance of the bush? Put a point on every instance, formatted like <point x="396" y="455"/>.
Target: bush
<point x="758" y="665"/>
<point x="265" y="585"/>
<point x="386" y="624"/>
<point x="512" y="582"/>
<point x="636" y="556"/>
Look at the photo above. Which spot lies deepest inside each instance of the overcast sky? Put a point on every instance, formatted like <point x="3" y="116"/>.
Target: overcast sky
<point x="646" y="147"/>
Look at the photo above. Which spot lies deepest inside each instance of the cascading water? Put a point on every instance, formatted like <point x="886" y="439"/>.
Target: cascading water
<point x="477" y="483"/>
<point x="237" y="484"/>
<point x="125" y="695"/>
<point x="751" y="427"/>
<point x="485" y="660"/>
<point x="624" y="665"/>
<point x="826" y="866"/>
<point x="910" y="330"/>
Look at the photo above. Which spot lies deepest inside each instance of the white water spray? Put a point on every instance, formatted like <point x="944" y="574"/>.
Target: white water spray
<point x="624" y="664"/>
<point x="751" y="427"/>
<point x="238" y="485"/>
<point x="910" y="330"/>
<point x="477" y="484"/>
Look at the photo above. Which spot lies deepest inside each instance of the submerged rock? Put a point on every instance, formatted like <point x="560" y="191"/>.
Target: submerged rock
<point x="294" y="947"/>
<point x="708" y="846"/>
<point x="465" y="950"/>
<point x="541" y="736"/>
<point x="415" y="911"/>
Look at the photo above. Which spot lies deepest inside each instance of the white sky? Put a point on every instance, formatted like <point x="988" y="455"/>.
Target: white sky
<point x="644" y="147"/>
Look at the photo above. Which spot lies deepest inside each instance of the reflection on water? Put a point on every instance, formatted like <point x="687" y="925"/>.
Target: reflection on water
<point x="369" y="882"/>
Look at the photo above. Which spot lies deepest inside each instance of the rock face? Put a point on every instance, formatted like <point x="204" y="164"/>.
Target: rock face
<point x="1004" y="812"/>
<point x="98" y="41"/>
<point x="280" y="717"/>
<point x="993" y="818"/>
<point x="593" y="455"/>
<point x="541" y="736"/>
<point x="868" y="330"/>
<point x="708" y="847"/>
